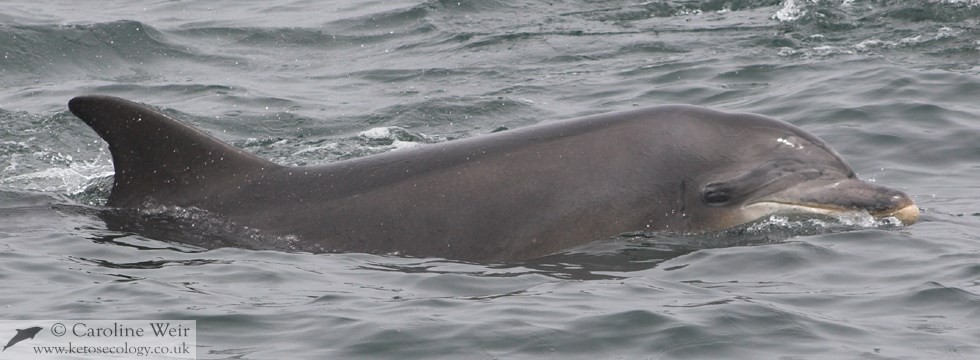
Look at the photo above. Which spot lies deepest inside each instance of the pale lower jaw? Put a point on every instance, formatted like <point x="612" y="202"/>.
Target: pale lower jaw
<point x="907" y="215"/>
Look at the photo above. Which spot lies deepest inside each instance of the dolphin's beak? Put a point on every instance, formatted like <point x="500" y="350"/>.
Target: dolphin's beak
<point x="908" y="215"/>
<point x="879" y="201"/>
<point x="842" y="196"/>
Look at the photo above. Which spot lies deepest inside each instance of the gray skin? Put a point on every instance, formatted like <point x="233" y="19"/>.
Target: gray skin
<point x="510" y="195"/>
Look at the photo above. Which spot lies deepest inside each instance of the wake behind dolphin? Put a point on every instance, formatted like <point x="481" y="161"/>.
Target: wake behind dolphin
<point x="510" y="195"/>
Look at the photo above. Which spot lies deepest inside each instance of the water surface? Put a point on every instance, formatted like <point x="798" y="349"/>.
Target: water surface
<point x="892" y="86"/>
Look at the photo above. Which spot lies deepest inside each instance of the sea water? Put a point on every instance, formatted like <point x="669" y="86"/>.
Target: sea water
<point x="894" y="86"/>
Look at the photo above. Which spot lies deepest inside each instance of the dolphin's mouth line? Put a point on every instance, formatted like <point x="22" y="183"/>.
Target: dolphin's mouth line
<point x="908" y="214"/>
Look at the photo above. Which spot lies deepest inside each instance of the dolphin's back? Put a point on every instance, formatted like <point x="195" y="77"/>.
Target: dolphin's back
<point x="160" y="159"/>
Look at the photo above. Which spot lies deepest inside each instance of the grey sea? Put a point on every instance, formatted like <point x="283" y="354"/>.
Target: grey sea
<point x="894" y="86"/>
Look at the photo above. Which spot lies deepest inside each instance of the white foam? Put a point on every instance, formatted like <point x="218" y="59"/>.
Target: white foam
<point x="330" y="146"/>
<point x="72" y="179"/>
<point x="871" y="45"/>
<point x="789" y="12"/>
<point x="859" y="219"/>
<point x="398" y="144"/>
<point x="377" y="133"/>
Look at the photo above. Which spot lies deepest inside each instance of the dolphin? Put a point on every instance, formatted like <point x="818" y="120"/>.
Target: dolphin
<point x="22" y="334"/>
<point x="511" y="195"/>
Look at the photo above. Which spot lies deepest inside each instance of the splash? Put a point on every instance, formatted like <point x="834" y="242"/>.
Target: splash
<point x="842" y="221"/>
<point x="790" y="11"/>
<point x="392" y="137"/>
<point x="72" y="179"/>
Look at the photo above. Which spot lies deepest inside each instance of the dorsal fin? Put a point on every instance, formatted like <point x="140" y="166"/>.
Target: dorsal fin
<point x="160" y="159"/>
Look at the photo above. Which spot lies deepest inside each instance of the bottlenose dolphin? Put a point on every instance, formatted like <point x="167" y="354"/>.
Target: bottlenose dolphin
<point x="22" y="334"/>
<point x="510" y="195"/>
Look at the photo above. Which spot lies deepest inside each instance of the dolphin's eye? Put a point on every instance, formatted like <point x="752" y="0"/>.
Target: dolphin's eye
<point x="716" y="198"/>
<point x="716" y="195"/>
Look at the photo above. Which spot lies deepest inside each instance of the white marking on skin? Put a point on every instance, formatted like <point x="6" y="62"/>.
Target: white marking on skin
<point x="789" y="142"/>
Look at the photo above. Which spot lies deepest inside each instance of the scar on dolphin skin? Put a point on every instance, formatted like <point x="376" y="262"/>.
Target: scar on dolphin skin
<point x="511" y="195"/>
<point x="22" y="334"/>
